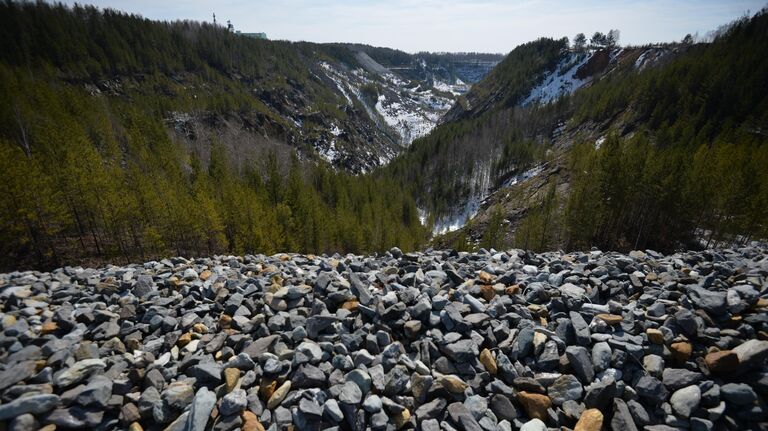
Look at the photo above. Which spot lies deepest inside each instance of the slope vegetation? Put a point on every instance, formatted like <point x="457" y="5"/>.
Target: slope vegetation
<point x="124" y="137"/>
<point x="658" y="146"/>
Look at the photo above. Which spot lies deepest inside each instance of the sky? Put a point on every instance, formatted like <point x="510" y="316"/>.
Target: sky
<point x="450" y="25"/>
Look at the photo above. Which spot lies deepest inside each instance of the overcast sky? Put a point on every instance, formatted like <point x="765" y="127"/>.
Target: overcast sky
<point x="450" y="25"/>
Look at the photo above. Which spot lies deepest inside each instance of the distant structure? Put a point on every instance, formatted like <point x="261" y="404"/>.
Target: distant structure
<point x="214" y="19"/>
<point x="253" y="35"/>
<point x="230" y="27"/>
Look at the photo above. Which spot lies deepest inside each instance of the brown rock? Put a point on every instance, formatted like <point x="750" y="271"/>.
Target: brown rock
<point x="9" y="320"/>
<point x="49" y="327"/>
<point x="133" y="344"/>
<point x="487" y="291"/>
<point x="184" y="339"/>
<point x="225" y="321"/>
<point x="535" y="405"/>
<point x="681" y="351"/>
<point x="722" y="362"/>
<point x="488" y="361"/>
<point x="590" y="420"/>
<point x="129" y="413"/>
<point x="279" y="395"/>
<point x="251" y="422"/>
<point x="512" y="290"/>
<point x="485" y="278"/>
<point x="350" y="305"/>
<point x="231" y="376"/>
<point x="135" y="427"/>
<point x="655" y="336"/>
<point x="267" y="388"/>
<point x="205" y="275"/>
<point x="611" y="319"/>
<point x="452" y="384"/>
<point x="200" y="328"/>
<point x="402" y="418"/>
<point x="49" y="427"/>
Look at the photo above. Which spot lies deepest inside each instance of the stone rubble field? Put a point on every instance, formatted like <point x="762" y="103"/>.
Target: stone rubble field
<point x="428" y="341"/>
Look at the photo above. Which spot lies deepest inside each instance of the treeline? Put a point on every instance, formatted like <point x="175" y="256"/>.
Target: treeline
<point x="697" y="167"/>
<point x="88" y="42"/>
<point x="93" y="177"/>
<point x="632" y="194"/>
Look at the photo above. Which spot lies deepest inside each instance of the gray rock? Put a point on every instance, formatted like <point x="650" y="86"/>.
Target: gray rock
<point x="581" y="363"/>
<point x="25" y="422"/>
<point x="676" y="378"/>
<point x="651" y="389"/>
<point x="709" y="300"/>
<point x="96" y="393"/>
<point x="534" y="425"/>
<point x="34" y="404"/>
<point x="351" y="393"/>
<point x="622" y="417"/>
<point x="503" y="408"/>
<point x="751" y="353"/>
<point x="431" y="410"/>
<point x="684" y="401"/>
<point x="16" y="373"/>
<point x="234" y="402"/>
<point x="738" y="393"/>
<point x="565" y="388"/>
<point x="207" y="372"/>
<point x="178" y="395"/>
<point x="601" y="356"/>
<point x="74" y="417"/>
<point x="79" y="371"/>
<point x="331" y="410"/>
<point x="462" y="417"/>
<point x="372" y="404"/>
<point x="200" y="411"/>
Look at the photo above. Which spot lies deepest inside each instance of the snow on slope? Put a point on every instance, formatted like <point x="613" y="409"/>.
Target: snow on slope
<point x="411" y="111"/>
<point x="560" y="81"/>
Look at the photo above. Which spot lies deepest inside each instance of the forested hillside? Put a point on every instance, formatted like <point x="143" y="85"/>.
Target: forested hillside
<point x="100" y="160"/>
<point x="663" y="155"/>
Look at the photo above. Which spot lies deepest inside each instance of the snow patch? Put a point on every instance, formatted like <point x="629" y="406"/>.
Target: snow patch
<point x="599" y="142"/>
<point x="519" y="178"/>
<point x="335" y="130"/>
<point x="561" y="81"/>
<point x="410" y="124"/>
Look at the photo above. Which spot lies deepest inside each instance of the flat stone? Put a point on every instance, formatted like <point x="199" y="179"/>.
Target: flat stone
<point x="611" y="319"/>
<point x="79" y="371"/>
<point x="178" y="395"/>
<point x="535" y="405"/>
<point x="34" y="404"/>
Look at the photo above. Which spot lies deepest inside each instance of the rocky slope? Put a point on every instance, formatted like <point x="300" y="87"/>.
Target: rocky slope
<point x="434" y="340"/>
